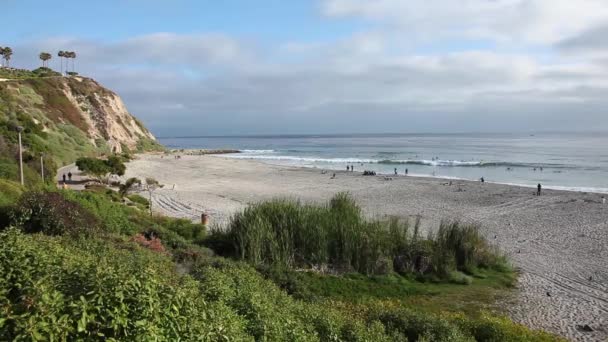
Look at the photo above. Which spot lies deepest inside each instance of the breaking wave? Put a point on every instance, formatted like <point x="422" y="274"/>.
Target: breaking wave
<point x="263" y="155"/>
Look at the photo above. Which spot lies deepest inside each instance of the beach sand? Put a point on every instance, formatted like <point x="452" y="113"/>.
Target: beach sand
<point x="559" y="240"/>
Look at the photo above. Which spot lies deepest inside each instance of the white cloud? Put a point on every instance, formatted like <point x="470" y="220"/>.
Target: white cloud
<point x="535" y="21"/>
<point x="373" y="80"/>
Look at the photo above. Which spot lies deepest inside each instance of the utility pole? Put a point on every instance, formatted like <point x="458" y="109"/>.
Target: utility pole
<point x="42" y="166"/>
<point x="19" y="130"/>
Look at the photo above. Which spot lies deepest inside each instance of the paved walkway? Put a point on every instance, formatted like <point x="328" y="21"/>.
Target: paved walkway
<point x="78" y="178"/>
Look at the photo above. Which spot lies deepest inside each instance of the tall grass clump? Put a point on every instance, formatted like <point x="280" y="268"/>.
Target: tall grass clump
<point x="336" y="236"/>
<point x="462" y="247"/>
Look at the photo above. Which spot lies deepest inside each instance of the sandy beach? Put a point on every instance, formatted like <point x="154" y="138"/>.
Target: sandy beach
<point x="559" y="241"/>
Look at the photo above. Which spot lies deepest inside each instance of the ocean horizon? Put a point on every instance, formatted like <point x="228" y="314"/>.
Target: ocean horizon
<point x="575" y="161"/>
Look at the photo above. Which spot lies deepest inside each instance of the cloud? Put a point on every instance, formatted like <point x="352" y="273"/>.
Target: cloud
<point x="535" y="21"/>
<point x="375" y="80"/>
<point x="592" y="41"/>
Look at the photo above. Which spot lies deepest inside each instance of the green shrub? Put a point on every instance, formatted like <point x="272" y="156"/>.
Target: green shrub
<point x="50" y="213"/>
<point x="59" y="289"/>
<point x="492" y="328"/>
<point x="9" y="192"/>
<point x="139" y="199"/>
<point x="417" y="326"/>
<point x="114" y="217"/>
<point x="194" y="232"/>
<point x="272" y="315"/>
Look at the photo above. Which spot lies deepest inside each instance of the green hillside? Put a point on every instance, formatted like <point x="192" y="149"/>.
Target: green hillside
<point x="62" y="117"/>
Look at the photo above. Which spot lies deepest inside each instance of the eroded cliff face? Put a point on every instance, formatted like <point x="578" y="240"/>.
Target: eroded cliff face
<point x="105" y="114"/>
<point x="99" y="113"/>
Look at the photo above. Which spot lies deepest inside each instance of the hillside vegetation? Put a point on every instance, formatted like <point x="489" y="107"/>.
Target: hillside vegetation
<point x="64" y="118"/>
<point x="80" y="266"/>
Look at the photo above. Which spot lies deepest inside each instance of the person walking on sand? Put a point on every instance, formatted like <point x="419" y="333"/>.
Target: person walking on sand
<point x="395" y="171"/>
<point x="538" y="189"/>
<point x="70" y="176"/>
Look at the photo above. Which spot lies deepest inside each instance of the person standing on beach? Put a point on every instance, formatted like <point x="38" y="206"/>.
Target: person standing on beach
<point x="395" y="171"/>
<point x="482" y="180"/>
<point x="538" y="189"/>
<point x="70" y="176"/>
<point x="406" y="171"/>
<point x="64" y="178"/>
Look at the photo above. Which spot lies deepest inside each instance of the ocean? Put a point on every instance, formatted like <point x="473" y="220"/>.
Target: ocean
<point x="564" y="161"/>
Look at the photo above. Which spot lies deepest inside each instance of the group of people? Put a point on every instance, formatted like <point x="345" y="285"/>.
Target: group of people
<point x="69" y="177"/>
<point x="406" y="171"/>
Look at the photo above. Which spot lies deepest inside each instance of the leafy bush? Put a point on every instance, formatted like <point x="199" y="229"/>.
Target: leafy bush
<point x="194" y="232"/>
<point x="417" y="326"/>
<point x="50" y="213"/>
<point x="135" y="198"/>
<point x="9" y="192"/>
<point x="60" y="289"/>
<point x="114" y="217"/>
<point x="272" y="315"/>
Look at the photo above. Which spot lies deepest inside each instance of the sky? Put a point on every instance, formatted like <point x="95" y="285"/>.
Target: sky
<point x="188" y="67"/>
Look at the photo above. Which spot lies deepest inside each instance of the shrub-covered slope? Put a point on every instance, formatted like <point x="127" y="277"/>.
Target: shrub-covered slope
<point x="103" y="271"/>
<point x="64" y="118"/>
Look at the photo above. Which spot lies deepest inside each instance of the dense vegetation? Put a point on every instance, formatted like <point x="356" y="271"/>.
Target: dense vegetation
<point x="82" y="265"/>
<point x="288" y="234"/>
<point x="18" y="74"/>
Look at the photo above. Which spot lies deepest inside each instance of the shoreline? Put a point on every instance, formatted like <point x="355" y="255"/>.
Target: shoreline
<point x="580" y="189"/>
<point x="557" y="240"/>
<point x="226" y="152"/>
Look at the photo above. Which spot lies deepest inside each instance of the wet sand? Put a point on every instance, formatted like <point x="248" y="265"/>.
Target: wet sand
<point x="559" y="240"/>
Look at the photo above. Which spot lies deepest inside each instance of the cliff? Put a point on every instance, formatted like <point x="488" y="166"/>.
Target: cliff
<point x="65" y="118"/>
<point x="77" y="101"/>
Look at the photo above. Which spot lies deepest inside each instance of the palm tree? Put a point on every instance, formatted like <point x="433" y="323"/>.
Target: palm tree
<point x="61" y="54"/>
<point x="73" y="57"/>
<point x="7" y="52"/>
<point x="45" y="56"/>
<point x="1" y="55"/>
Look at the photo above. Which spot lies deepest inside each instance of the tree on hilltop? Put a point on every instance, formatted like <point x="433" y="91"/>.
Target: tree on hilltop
<point x="61" y="54"/>
<point x="45" y="56"/>
<point x="69" y="55"/>
<point x="7" y="52"/>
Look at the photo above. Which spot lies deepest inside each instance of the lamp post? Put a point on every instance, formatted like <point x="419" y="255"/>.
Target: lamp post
<point x="19" y="130"/>
<point x="42" y="166"/>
